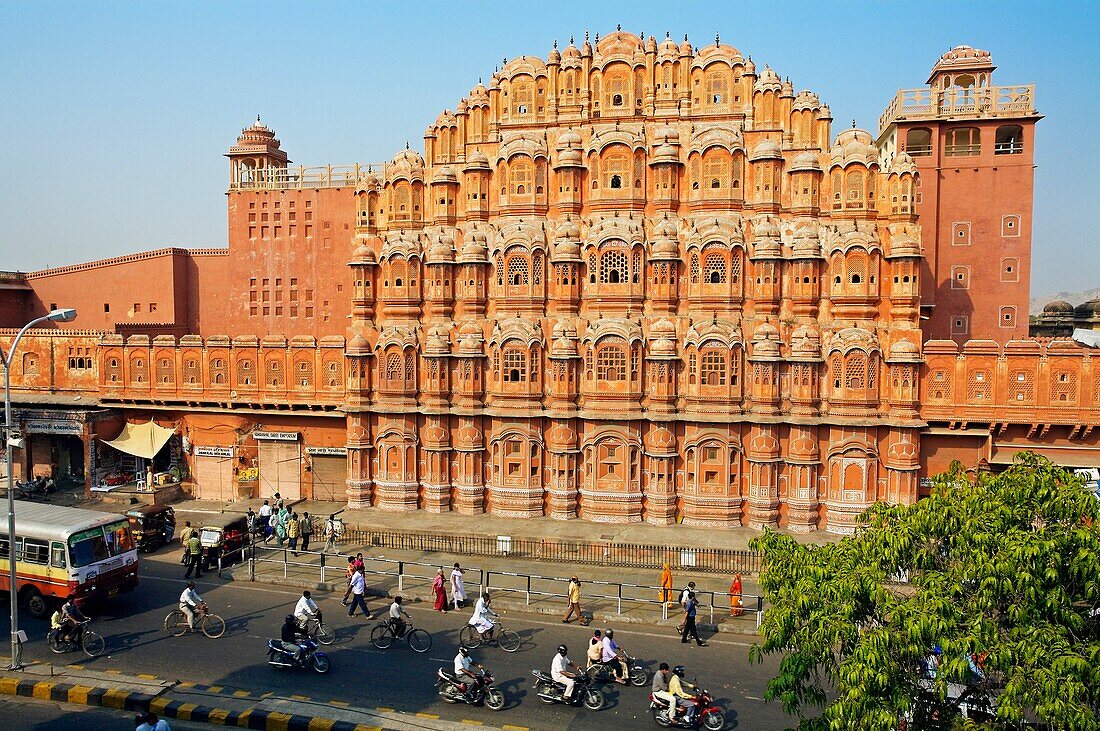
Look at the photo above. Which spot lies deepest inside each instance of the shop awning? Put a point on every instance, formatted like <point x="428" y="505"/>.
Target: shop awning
<point x="142" y="440"/>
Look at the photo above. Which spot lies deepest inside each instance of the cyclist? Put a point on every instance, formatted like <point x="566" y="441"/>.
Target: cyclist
<point x="398" y="624"/>
<point x="307" y="609"/>
<point x="66" y="619"/>
<point x="190" y="601"/>
<point x="484" y="618"/>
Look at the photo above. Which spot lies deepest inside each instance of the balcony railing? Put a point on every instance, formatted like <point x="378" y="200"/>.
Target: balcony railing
<point x="327" y="176"/>
<point x="989" y="101"/>
<point x="1008" y="148"/>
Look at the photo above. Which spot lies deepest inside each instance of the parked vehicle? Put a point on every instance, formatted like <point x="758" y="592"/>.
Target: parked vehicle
<point x="550" y="691"/>
<point x="151" y="526"/>
<point x="81" y="638"/>
<point x="282" y="657"/>
<point x="452" y="690"/>
<point x="61" y="551"/>
<point x="39" y="487"/>
<point x="223" y="536"/>
<point x="706" y="714"/>
<point x="636" y="672"/>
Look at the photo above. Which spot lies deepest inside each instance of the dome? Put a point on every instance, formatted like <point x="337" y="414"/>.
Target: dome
<point x="564" y="329"/>
<point x="663" y="348"/>
<point x="571" y="53"/>
<point x="358" y="342"/>
<point x="904" y="245"/>
<point x="902" y="164"/>
<point x="563" y="347"/>
<point x="1088" y="309"/>
<point x="257" y="134"/>
<point x="804" y="161"/>
<point x="767" y="150"/>
<point x="807" y="244"/>
<point x="554" y="56"/>
<point x="568" y="229"/>
<point x="787" y="89"/>
<point x="685" y="47"/>
<point x="1058" y="307"/>
<point x="474" y="250"/>
<point x="962" y="58"/>
<point x="768" y="81"/>
<point x="409" y="158"/>
<point x="570" y="158"/>
<point x="905" y="351"/>
<point x="805" y="100"/>
<point x="476" y="161"/>
<point x="765" y="342"/>
<point x="805" y="343"/>
<point x="442" y="251"/>
<point x="750" y="67"/>
<point x="854" y="145"/>
<point x="663" y="328"/>
<point x="438" y="342"/>
<point x="569" y="138"/>
<point x="667" y="133"/>
<point x="363" y="254"/>
<point x="445" y="174"/>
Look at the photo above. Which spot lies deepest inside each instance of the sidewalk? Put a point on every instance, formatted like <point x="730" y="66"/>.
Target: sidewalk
<point x="214" y="705"/>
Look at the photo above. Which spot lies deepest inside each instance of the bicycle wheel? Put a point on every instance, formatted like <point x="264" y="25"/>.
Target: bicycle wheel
<point x="381" y="636"/>
<point x="176" y="623"/>
<point x="213" y="626"/>
<point x="325" y="635"/>
<point x="53" y="642"/>
<point x="420" y="640"/>
<point x="92" y="643"/>
<point x="469" y="637"/>
<point x="508" y="640"/>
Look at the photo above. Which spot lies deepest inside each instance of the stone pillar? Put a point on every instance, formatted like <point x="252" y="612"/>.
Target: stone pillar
<point x="469" y="448"/>
<point x="763" y="458"/>
<point x="359" y="460"/>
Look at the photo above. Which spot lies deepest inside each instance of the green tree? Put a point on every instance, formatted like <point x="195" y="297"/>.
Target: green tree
<point x="1005" y="568"/>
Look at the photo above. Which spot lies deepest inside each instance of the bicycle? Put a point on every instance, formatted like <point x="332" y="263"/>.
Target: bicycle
<point x="209" y="624"/>
<point x="316" y="629"/>
<point x="505" y="639"/>
<point x="383" y="636"/>
<point x="90" y="642"/>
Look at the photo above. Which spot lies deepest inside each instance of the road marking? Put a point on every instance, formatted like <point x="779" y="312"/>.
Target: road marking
<point x="472" y="722"/>
<point x="147" y="676"/>
<point x="381" y="709"/>
<point x="345" y="704"/>
<point x="300" y="697"/>
<point x="74" y="666"/>
<point x="241" y="693"/>
<point x="510" y="727"/>
<point x="427" y="715"/>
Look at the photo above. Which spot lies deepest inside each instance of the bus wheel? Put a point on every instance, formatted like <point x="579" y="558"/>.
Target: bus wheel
<point x="35" y="603"/>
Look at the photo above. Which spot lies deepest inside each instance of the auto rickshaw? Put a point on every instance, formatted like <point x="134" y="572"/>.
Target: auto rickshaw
<point x="152" y="526"/>
<point x="222" y="535"/>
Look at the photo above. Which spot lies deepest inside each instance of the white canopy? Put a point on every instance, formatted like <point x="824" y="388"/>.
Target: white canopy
<point x="142" y="440"/>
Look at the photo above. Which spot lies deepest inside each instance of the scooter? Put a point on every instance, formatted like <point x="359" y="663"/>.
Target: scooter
<point x="453" y="690"/>
<point x="636" y="673"/>
<point x="706" y="713"/>
<point x="280" y="657"/>
<point x="550" y="691"/>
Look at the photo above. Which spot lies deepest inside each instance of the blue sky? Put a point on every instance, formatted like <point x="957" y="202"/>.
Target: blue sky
<point x="116" y="114"/>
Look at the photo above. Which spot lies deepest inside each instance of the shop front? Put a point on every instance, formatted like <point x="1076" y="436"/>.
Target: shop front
<point x="144" y="459"/>
<point x="213" y="472"/>
<point x="279" y="455"/>
<point x="328" y="466"/>
<point x="57" y="443"/>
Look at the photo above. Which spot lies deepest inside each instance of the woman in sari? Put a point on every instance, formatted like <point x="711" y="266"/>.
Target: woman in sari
<point x="439" y="587"/>
<point x="666" y="585"/>
<point x="736" y="605"/>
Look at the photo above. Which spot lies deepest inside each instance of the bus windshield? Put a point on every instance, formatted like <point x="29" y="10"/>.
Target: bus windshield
<point x="97" y="544"/>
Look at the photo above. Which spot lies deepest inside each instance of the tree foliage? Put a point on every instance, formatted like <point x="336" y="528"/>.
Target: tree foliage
<point x="1007" y="565"/>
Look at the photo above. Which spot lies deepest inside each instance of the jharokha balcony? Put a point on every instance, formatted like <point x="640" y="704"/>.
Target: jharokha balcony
<point x="988" y="101"/>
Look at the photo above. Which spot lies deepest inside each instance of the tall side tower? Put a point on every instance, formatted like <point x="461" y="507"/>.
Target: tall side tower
<point x="973" y="144"/>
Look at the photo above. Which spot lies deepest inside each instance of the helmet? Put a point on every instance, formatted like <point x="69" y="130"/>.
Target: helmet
<point x="609" y="633"/>
<point x="563" y="650"/>
<point x="679" y="670"/>
<point x="465" y="651"/>
<point x="289" y="618"/>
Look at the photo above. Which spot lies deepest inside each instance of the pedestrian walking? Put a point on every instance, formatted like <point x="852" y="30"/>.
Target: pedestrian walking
<point x="574" y="602"/>
<point x="194" y="557"/>
<point x="279" y="502"/>
<point x="306" y="530"/>
<point x="458" y="588"/>
<point x="293" y="530"/>
<point x="333" y="529"/>
<point x="185" y="536"/>
<point x="251" y="522"/>
<point x="666" y="586"/>
<point x="691" y="608"/>
<point x="736" y="604"/>
<point x="683" y="603"/>
<point x="265" y="518"/>
<point x="348" y="573"/>
<point x="358" y="587"/>
<point x="439" y="589"/>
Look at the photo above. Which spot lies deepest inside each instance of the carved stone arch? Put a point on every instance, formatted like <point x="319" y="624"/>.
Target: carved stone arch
<point x="528" y="233"/>
<point x="527" y="433"/>
<point x="633" y="141"/>
<point x="532" y="66"/>
<point x="628" y="330"/>
<point x="853" y="338"/>
<point x="527" y="144"/>
<point x="726" y="230"/>
<point x="627" y="230"/>
<point x="516" y="328"/>
<point x="401" y="245"/>
<point x="854" y="445"/>
<point x="726" y="136"/>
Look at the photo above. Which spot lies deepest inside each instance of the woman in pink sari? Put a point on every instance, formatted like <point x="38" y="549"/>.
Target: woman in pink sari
<point x="438" y="586"/>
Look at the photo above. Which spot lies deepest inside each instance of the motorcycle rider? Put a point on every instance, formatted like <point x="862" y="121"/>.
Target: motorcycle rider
<point x="611" y="655"/>
<point x="660" y="689"/>
<point x="464" y="668"/>
<point x="483" y="619"/>
<point x="559" y="671"/>
<point x="291" y="635"/>
<point x="398" y="624"/>
<point x="679" y="689"/>
<point x="189" y="603"/>
<point x="307" y="609"/>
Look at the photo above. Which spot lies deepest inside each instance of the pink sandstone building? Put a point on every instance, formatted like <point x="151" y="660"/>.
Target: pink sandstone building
<point x="634" y="281"/>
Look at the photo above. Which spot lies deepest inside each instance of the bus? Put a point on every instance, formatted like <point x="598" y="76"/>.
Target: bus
<point x="61" y="551"/>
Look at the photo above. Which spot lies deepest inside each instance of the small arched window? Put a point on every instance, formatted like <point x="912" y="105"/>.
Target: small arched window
<point x="963" y="141"/>
<point x="1010" y="140"/>
<point x="714" y="268"/>
<point x="918" y="142"/>
<point x="611" y="363"/>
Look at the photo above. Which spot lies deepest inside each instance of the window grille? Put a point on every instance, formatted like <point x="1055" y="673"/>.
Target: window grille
<point x="611" y="363"/>
<point x="613" y="267"/>
<point x="713" y="372"/>
<point x="714" y="268"/>
<point x="517" y="270"/>
<point x="515" y="366"/>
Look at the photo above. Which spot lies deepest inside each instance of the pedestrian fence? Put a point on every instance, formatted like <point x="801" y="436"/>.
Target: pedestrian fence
<point x="418" y="576"/>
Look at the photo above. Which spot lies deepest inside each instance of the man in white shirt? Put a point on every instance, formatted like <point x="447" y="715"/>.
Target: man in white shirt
<point x="396" y="622"/>
<point x="306" y="609"/>
<point x="189" y="603"/>
<point x="559" y="671"/>
<point x="610" y="655"/>
<point x="358" y="585"/>
<point x="483" y="617"/>
<point x="458" y="588"/>
<point x="464" y="671"/>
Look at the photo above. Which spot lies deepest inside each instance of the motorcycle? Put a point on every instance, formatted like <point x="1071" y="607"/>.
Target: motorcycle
<point x="280" y="657"/>
<point x="706" y="713"/>
<point x="452" y="690"/>
<point x="636" y="673"/>
<point x="38" y="487"/>
<point x="550" y="691"/>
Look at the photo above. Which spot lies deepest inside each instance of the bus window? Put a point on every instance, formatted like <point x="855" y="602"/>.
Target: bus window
<point x="3" y="546"/>
<point x="118" y="537"/>
<point x="57" y="555"/>
<point x="36" y="551"/>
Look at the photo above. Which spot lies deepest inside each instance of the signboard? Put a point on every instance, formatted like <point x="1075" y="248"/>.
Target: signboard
<point x="53" y="426"/>
<point x="276" y="436"/>
<point x="213" y="451"/>
<point x="327" y="451"/>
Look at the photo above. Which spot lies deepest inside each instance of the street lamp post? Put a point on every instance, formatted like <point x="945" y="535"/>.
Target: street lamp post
<point x="62" y="315"/>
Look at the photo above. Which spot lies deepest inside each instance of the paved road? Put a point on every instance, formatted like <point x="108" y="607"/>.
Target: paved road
<point x="396" y="678"/>
<point x="30" y="714"/>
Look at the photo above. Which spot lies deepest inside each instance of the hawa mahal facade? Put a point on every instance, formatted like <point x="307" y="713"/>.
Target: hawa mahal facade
<point x="634" y="281"/>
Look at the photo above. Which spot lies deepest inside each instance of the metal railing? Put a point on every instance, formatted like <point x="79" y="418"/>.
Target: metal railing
<point x="420" y="574"/>
<point x="324" y="176"/>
